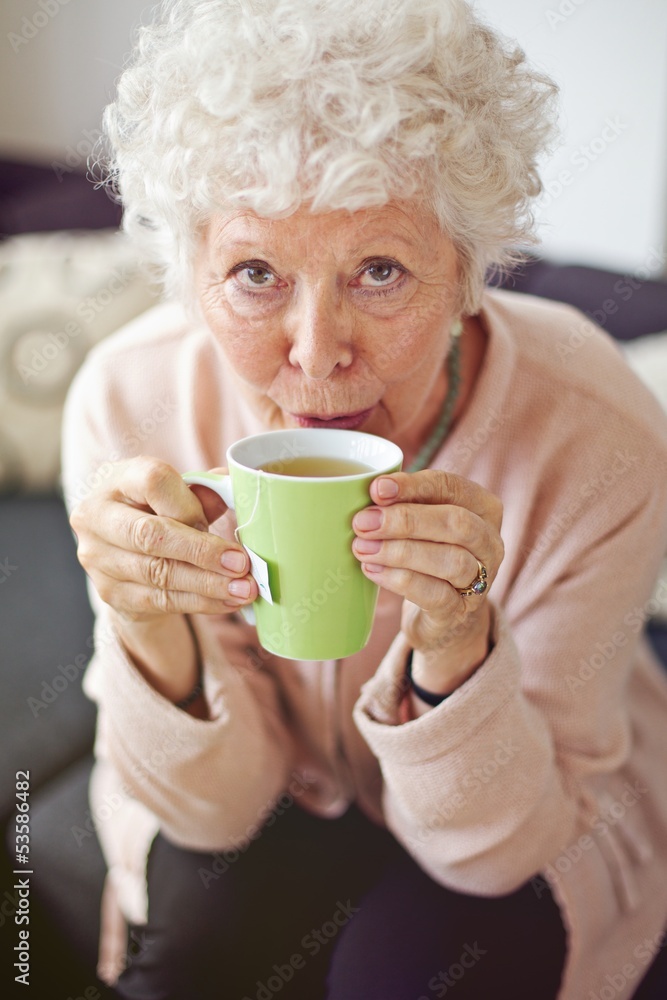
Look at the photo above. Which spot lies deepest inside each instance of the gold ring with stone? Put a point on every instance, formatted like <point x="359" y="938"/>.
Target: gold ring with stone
<point x="479" y="584"/>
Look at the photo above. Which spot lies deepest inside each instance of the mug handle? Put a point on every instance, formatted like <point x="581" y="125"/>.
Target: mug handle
<point x="222" y="485"/>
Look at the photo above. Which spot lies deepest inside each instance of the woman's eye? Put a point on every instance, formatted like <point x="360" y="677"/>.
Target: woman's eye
<point x="381" y="273"/>
<point x="254" y="276"/>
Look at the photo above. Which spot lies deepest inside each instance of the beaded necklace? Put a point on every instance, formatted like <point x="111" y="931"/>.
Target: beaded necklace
<point x="428" y="451"/>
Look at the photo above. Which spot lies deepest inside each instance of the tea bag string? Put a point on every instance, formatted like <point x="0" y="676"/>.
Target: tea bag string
<point x="239" y="527"/>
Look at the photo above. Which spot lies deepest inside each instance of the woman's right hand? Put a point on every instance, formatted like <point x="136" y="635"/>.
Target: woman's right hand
<point x="143" y="540"/>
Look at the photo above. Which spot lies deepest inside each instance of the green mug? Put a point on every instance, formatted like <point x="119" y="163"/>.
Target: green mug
<point x="295" y="493"/>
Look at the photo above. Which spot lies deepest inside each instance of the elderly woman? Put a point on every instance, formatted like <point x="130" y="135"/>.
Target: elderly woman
<point x="476" y="799"/>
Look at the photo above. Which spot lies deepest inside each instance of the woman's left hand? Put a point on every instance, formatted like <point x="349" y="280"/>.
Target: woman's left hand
<point x="423" y="543"/>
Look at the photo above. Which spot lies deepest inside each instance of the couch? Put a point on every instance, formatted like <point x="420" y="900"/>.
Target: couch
<point x="46" y="625"/>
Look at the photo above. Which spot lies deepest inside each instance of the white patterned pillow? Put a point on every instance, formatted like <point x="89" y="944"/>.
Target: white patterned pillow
<point x="647" y="356"/>
<point x="60" y="293"/>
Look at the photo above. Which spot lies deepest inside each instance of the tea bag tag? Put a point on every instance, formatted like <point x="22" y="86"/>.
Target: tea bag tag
<point x="260" y="571"/>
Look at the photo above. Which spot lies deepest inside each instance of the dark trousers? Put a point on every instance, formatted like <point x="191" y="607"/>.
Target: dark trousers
<point x="333" y="909"/>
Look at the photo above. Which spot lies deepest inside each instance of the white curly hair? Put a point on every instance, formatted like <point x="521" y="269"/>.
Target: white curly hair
<point x="339" y="104"/>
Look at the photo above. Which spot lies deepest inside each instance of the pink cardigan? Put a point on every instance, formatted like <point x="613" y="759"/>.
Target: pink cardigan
<point x="547" y="764"/>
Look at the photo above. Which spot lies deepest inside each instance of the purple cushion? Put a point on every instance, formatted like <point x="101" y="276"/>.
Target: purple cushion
<point x="35" y="199"/>
<point x="625" y="306"/>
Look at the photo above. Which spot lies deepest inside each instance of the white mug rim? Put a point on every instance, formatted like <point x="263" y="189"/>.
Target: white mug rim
<point x="394" y="454"/>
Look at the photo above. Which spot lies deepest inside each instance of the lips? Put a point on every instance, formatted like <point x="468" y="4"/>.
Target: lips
<point x="342" y="421"/>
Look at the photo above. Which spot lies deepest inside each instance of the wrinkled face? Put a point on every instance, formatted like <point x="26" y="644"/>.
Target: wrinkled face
<point x="339" y="319"/>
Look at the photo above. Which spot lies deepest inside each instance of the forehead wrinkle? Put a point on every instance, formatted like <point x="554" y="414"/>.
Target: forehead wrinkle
<point x="379" y="241"/>
<point x="397" y="216"/>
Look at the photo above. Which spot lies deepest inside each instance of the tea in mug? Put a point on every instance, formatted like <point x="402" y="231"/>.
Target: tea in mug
<point x="318" y="467"/>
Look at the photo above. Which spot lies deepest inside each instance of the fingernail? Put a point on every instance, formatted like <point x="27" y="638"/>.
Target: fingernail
<point x="387" y="488"/>
<point x="368" y="520"/>
<point x="239" y="588"/>
<point x="367" y="546"/>
<point x="372" y="568"/>
<point x="233" y="560"/>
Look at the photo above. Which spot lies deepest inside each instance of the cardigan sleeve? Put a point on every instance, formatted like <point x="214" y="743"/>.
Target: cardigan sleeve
<point x="212" y="783"/>
<point x="209" y="783"/>
<point x="489" y="786"/>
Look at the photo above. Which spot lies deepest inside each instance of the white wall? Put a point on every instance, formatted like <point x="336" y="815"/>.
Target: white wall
<point x="607" y="205"/>
<point x="59" y="60"/>
<point x="606" y="198"/>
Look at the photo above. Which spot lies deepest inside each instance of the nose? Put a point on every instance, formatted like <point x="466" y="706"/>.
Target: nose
<point x="320" y="334"/>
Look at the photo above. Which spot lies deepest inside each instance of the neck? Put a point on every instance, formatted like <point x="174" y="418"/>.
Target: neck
<point x="472" y="347"/>
<point x="473" y="350"/>
<point x="426" y="420"/>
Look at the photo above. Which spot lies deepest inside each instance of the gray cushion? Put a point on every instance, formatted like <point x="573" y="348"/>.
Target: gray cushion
<point x="67" y="860"/>
<point x="46" y="627"/>
<point x="65" y="888"/>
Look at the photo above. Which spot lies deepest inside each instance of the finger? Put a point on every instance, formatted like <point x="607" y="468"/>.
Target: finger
<point x="170" y="574"/>
<point x="428" y="592"/>
<point x="155" y="486"/>
<point x="434" y="486"/>
<point x="447" y="524"/>
<point x="450" y="563"/>
<point x="154" y="535"/>
<point x="133" y="600"/>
